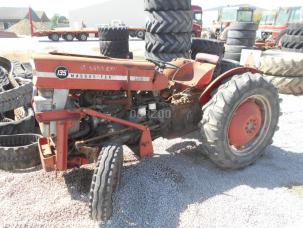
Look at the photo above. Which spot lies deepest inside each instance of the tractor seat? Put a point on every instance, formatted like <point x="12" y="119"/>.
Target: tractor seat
<point x="196" y="74"/>
<point x="207" y="58"/>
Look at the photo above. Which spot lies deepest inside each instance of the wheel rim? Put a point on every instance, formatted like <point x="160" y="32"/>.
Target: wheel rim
<point x="55" y="37"/>
<point x="249" y="125"/>
<point x="140" y="34"/>
<point x="69" y="37"/>
<point x="83" y="37"/>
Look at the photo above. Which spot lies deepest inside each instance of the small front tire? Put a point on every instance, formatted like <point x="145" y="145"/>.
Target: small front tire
<point x="105" y="182"/>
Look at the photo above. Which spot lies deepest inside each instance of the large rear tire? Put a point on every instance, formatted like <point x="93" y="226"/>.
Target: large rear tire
<point x="105" y="182"/>
<point x="19" y="151"/>
<point x="165" y="5"/>
<point x="169" y="21"/>
<point x="167" y="43"/>
<point x="283" y="65"/>
<point x="240" y="120"/>
<point x="287" y="85"/>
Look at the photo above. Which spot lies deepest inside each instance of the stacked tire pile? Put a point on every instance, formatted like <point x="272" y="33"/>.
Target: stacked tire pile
<point x="240" y="36"/>
<point x="168" y="29"/>
<point x="18" y="141"/>
<point x="114" y="41"/>
<point x="284" y="71"/>
<point x="293" y="40"/>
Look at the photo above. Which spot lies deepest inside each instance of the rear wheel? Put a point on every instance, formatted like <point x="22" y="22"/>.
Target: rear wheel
<point x="82" y="37"/>
<point x="69" y="37"/>
<point x="240" y="120"/>
<point x="105" y="182"/>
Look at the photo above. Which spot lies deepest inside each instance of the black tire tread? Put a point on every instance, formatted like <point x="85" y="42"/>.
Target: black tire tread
<point x="235" y="48"/>
<point x="16" y="97"/>
<point x="165" y="5"/>
<point x="169" y="22"/>
<point x="24" y="125"/>
<point x="243" y="34"/>
<point x="220" y="108"/>
<point x="208" y="46"/>
<point x="296" y="30"/>
<point x="287" y="85"/>
<point x="114" y="48"/>
<point x="109" y="162"/>
<point x="115" y="33"/>
<point x="19" y="151"/>
<point x="292" y="41"/>
<point x="3" y="78"/>
<point x="282" y="66"/>
<point x="167" y="43"/>
<point x="240" y="41"/>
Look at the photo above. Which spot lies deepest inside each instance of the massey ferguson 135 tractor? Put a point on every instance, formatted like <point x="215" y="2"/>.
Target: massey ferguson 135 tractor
<point x="89" y="106"/>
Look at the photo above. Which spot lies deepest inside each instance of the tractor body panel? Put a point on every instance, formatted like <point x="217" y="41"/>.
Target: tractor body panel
<point x="124" y="101"/>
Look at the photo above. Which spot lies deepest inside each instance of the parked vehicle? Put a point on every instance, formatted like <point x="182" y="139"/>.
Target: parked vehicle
<point x="228" y="15"/>
<point x="274" y="23"/>
<point x="88" y="107"/>
<point x="137" y="30"/>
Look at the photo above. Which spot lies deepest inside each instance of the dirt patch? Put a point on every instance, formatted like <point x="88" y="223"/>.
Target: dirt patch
<point x="7" y="34"/>
<point x="23" y="27"/>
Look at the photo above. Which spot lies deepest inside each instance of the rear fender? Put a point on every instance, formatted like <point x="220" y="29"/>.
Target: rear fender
<point x="206" y="95"/>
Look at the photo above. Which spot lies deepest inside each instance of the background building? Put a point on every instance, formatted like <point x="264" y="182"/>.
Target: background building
<point x="131" y="12"/>
<point x="12" y="15"/>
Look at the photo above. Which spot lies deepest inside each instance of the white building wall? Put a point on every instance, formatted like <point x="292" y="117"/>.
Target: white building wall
<point x="131" y="12"/>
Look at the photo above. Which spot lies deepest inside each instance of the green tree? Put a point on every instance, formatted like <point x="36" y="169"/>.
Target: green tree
<point x="58" y="19"/>
<point x="55" y="20"/>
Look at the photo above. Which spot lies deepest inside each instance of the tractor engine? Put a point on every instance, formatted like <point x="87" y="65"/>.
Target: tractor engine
<point x="164" y="112"/>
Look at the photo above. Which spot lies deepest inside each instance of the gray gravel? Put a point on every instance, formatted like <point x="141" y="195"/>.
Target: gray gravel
<point x="177" y="187"/>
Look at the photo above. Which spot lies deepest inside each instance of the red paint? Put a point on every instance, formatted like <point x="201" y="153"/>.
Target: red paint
<point x="245" y="124"/>
<point x="64" y="123"/>
<point x="206" y="95"/>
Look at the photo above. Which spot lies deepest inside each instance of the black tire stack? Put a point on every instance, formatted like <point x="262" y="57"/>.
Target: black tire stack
<point x="168" y="29"/>
<point x="293" y="40"/>
<point x="240" y="36"/>
<point x="18" y="143"/>
<point x="114" y="41"/>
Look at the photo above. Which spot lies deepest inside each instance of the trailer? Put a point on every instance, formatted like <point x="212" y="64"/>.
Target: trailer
<point x="135" y="30"/>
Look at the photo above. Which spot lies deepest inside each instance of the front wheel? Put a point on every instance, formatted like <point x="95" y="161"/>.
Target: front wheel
<point x="240" y="120"/>
<point x="105" y="182"/>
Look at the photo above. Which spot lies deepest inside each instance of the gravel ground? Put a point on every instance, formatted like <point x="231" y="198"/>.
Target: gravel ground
<point x="177" y="187"/>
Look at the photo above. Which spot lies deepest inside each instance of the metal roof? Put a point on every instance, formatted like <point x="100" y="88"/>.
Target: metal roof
<point x="16" y="13"/>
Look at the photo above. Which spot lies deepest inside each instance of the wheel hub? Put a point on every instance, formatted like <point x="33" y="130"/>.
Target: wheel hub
<point x="245" y="124"/>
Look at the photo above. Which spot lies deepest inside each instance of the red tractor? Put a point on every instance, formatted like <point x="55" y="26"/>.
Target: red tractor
<point x="88" y="107"/>
<point x="274" y="24"/>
